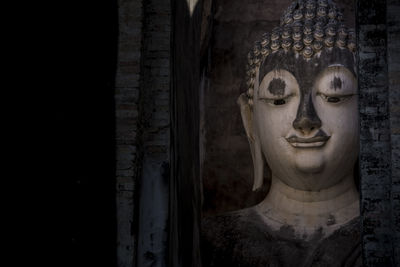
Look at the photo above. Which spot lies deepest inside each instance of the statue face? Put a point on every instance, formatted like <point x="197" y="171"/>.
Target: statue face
<point x="306" y="118"/>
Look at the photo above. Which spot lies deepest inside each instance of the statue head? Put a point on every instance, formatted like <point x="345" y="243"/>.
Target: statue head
<point x="300" y="111"/>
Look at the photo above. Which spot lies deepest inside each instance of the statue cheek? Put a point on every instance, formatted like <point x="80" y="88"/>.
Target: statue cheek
<point x="339" y="120"/>
<point x="276" y="121"/>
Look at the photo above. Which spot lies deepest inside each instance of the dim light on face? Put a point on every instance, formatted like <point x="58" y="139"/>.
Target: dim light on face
<point x="307" y="124"/>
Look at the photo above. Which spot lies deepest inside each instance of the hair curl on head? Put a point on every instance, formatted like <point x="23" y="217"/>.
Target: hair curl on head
<point x="306" y="27"/>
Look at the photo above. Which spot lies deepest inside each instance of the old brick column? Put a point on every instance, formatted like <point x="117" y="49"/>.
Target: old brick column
<point x="379" y="165"/>
<point x="142" y="92"/>
<point x="393" y="52"/>
<point x="158" y="206"/>
<point x="127" y="90"/>
<point x="154" y="127"/>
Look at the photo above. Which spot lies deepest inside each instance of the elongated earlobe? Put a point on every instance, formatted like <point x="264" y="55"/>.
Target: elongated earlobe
<point x="255" y="146"/>
<point x="258" y="163"/>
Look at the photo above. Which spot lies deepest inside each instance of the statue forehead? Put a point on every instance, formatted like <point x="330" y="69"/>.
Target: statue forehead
<point x="306" y="70"/>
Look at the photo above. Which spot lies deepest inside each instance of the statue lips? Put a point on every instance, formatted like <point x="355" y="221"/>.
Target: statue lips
<point x="317" y="140"/>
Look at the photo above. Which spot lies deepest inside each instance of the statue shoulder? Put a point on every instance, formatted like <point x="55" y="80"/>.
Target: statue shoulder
<point x="237" y="225"/>
<point x="342" y="248"/>
<point x="242" y="238"/>
<point x="226" y="239"/>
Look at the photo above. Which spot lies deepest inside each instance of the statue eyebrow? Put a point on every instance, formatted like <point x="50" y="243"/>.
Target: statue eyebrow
<point x="336" y="65"/>
<point x="277" y="86"/>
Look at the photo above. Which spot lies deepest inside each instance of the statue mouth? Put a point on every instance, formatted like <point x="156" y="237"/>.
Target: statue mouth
<point x="317" y="140"/>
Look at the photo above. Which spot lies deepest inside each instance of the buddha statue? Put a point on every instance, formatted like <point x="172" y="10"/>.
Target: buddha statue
<point x="300" y="114"/>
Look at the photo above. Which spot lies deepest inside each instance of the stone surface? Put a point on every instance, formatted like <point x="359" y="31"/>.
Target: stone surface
<point x="229" y="236"/>
<point x="154" y="129"/>
<point x="127" y="115"/>
<point x="375" y="145"/>
<point x="142" y="131"/>
<point x="393" y="40"/>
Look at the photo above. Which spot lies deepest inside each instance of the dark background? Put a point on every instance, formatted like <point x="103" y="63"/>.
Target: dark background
<point x="84" y="133"/>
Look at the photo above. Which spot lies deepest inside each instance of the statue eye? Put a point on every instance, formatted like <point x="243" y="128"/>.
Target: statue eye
<point x="279" y="102"/>
<point x="335" y="99"/>
<point x="332" y="99"/>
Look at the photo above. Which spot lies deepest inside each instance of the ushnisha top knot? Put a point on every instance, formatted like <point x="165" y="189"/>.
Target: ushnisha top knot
<point x="306" y="28"/>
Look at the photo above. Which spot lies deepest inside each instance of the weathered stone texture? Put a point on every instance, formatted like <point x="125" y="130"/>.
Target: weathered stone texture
<point x="375" y="145"/>
<point x="154" y="134"/>
<point x="127" y="112"/>
<point x="393" y="39"/>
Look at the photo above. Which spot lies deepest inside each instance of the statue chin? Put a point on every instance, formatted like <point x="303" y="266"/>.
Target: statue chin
<point x="309" y="164"/>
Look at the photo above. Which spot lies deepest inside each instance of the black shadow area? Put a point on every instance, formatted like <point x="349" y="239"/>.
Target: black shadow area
<point x="86" y="131"/>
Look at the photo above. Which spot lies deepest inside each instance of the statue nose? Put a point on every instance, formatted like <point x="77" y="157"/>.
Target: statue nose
<point x="306" y="125"/>
<point x="307" y="119"/>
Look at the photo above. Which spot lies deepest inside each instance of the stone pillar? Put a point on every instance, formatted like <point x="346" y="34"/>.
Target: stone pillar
<point x="375" y="136"/>
<point x="154" y="129"/>
<point x="126" y="102"/>
<point x="393" y="39"/>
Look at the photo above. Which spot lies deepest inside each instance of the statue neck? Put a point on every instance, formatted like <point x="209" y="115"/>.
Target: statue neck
<point x="328" y="196"/>
<point x="309" y="211"/>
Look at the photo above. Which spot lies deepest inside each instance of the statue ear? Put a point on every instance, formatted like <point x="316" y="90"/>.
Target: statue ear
<point x="255" y="146"/>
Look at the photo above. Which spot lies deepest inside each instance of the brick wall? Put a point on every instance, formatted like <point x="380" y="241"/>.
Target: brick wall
<point x="377" y="130"/>
<point x="154" y="127"/>
<point x="142" y="113"/>
<point x="393" y="50"/>
<point x="127" y="89"/>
